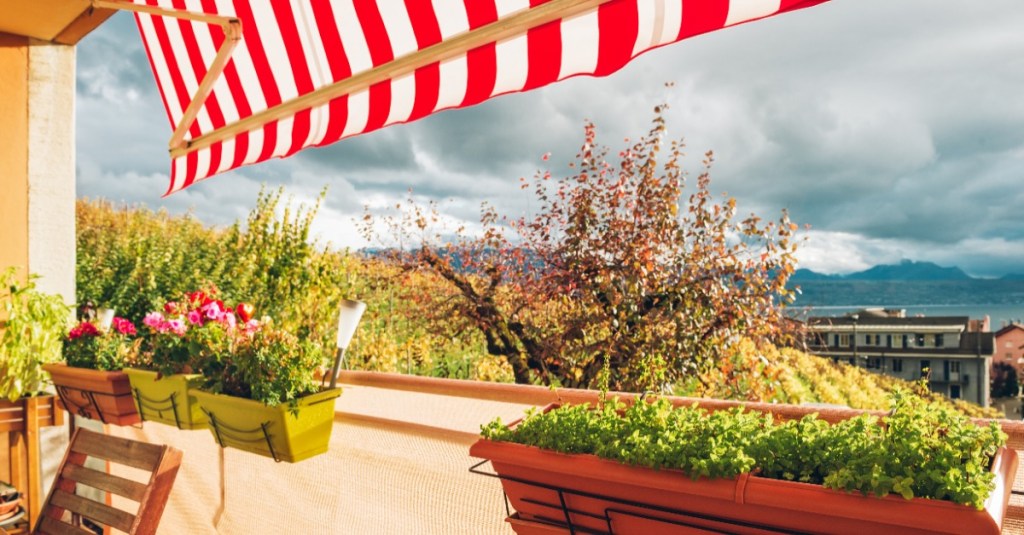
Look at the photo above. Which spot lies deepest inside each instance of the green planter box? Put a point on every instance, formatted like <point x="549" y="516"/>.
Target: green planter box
<point x="276" y="432"/>
<point x="167" y="399"/>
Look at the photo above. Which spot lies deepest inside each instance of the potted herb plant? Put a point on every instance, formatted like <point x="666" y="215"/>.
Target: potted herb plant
<point x="30" y="336"/>
<point x="263" y="396"/>
<point x="91" y="383"/>
<point x="198" y="326"/>
<point x="651" y="467"/>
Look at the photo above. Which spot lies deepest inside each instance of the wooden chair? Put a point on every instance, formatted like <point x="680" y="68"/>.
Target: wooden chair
<point x="161" y="463"/>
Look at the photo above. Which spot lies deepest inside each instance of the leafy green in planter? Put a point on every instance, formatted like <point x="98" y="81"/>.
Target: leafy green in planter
<point x="920" y="449"/>
<point x="269" y="365"/>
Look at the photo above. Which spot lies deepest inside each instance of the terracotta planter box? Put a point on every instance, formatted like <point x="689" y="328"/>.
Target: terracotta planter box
<point x="167" y="400"/>
<point x="94" y="394"/>
<point x="602" y="496"/>
<point x="274" y="432"/>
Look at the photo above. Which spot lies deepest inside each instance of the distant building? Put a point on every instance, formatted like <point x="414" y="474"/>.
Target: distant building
<point x="1010" y="346"/>
<point x="955" y="352"/>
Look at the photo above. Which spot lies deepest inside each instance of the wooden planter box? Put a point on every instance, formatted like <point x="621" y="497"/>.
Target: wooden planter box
<point x="94" y="394"/>
<point x="552" y="492"/>
<point x="167" y="400"/>
<point x="274" y="432"/>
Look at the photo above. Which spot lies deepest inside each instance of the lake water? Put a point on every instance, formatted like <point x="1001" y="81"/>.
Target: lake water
<point x="1001" y="301"/>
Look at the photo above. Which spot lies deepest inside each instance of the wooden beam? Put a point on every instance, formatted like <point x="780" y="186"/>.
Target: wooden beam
<point x="511" y="26"/>
<point x="232" y="34"/>
<point x="125" y="5"/>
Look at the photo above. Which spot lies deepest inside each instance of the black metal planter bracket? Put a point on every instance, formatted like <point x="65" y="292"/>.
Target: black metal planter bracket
<point x="157" y="406"/>
<point x="226" y="432"/>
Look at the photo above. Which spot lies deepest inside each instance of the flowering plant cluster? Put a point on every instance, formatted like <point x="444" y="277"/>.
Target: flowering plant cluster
<point x="236" y="353"/>
<point x="88" y="346"/>
<point x="197" y="328"/>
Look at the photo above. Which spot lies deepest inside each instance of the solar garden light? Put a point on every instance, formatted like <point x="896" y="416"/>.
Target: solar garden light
<point x="106" y="318"/>
<point x="348" y="320"/>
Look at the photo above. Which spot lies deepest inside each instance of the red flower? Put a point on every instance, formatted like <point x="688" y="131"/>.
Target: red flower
<point x="197" y="299"/>
<point x="171" y="308"/>
<point x="245" y="311"/>
<point x="83" y="329"/>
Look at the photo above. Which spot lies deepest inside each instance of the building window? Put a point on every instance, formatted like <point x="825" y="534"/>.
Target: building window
<point x="939" y="340"/>
<point x="954" y="366"/>
<point x="875" y="363"/>
<point x="954" y="391"/>
<point x="905" y="339"/>
<point x="844" y="340"/>
<point x="919" y="340"/>
<point x="888" y="340"/>
<point x="897" y="365"/>
<point x="852" y="362"/>
<point x="926" y="366"/>
<point x="878" y="340"/>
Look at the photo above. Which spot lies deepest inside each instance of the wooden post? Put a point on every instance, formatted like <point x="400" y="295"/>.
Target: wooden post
<point x="34" y="464"/>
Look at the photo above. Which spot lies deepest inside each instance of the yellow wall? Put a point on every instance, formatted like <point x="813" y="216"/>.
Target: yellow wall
<point x="13" y="151"/>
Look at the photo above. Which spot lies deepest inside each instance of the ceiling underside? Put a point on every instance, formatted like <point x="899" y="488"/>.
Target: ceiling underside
<point x="59" y="21"/>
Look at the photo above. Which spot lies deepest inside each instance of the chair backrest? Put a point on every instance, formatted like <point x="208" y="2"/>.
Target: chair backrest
<point x="160" y="463"/>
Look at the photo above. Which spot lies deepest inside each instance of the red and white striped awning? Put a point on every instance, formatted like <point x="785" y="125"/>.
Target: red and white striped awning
<point x="248" y="80"/>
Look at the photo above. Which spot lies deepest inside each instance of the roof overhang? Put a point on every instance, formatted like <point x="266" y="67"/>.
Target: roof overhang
<point x="59" y="21"/>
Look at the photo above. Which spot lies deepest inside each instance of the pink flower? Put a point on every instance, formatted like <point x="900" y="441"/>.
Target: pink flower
<point x="176" y="326"/>
<point x="212" y="310"/>
<point x="124" y="326"/>
<point x="195" y="318"/>
<point x="153" y="320"/>
<point x="228" y="318"/>
<point x="251" y="326"/>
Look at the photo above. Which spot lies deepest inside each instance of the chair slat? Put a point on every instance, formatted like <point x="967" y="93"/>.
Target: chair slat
<point x="119" y="450"/>
<point x="52" y="526"/>
<point x="103" y="481"/>
<point x="95" y="511"/>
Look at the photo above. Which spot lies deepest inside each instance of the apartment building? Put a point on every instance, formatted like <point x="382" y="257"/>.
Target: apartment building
<point x="1010" y="346"/>
<point x="954" y="353"/>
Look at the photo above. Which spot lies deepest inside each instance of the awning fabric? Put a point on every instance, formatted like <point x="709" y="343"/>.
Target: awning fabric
<point x="294" y="49"/>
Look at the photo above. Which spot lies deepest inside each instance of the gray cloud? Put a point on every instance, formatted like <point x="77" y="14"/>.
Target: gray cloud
<point x="893" y="128"/>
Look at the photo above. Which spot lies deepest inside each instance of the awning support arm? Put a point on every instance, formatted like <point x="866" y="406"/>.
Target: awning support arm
<point x="232" y="28"/>
<point x="511" y="26"/>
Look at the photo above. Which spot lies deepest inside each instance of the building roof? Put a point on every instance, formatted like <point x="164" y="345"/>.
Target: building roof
<point x="1008" y="328"/>
<point x="924" y="321"/>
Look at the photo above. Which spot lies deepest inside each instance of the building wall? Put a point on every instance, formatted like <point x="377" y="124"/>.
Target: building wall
<point x="1009" y="348"/>
<point x="37" y="182"/>
<point x="13" y="151"/>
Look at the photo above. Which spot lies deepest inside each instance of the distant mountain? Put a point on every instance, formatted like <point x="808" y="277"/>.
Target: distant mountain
<point x="805" y="275"/>
<point x="907" y="270"/>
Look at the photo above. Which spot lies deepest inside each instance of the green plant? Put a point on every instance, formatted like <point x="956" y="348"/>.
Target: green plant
<point x="920" y="449"/>
<point x="86" y="346"/>
<point x="268" y="365"/>
<point x="30" y="334"/>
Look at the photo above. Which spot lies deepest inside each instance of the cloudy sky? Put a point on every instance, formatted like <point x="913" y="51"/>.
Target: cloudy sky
<point x="895" y="129"/>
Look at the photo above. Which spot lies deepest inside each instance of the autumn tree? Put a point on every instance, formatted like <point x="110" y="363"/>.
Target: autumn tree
<point x="619" y="279"/>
